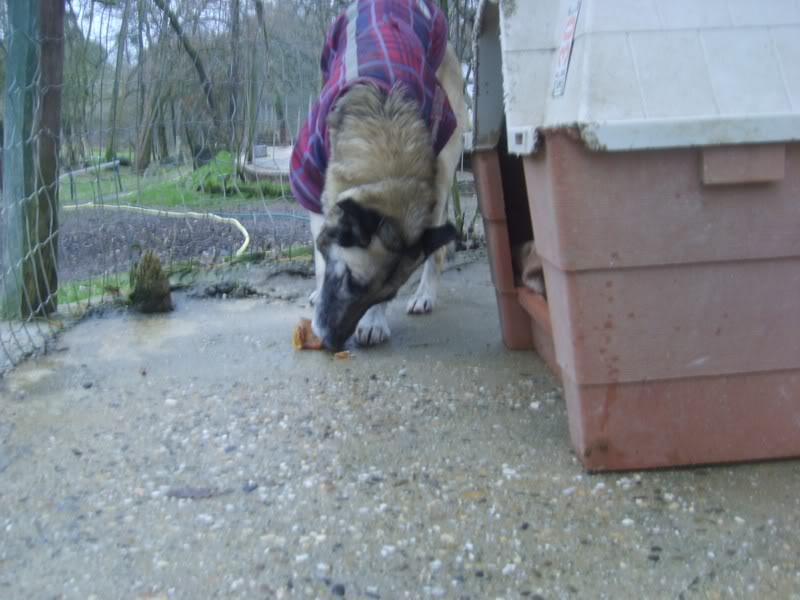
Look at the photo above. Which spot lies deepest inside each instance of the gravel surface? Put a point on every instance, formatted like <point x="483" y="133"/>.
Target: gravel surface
<point x="195" y="455"/>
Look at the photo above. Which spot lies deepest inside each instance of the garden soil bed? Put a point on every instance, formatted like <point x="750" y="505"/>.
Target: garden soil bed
<point x="97" y="241"/>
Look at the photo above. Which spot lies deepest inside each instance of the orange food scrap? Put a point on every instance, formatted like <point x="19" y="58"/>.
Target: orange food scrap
<point x="345" y="354"/>
<point x="303" y="337"/>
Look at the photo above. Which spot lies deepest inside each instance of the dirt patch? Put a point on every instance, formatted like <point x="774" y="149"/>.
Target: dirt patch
<point x="96" y="241"/>
<point x="225" y="289"/>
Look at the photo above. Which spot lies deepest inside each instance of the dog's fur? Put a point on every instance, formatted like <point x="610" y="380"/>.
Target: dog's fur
<point x="384" y="204"/>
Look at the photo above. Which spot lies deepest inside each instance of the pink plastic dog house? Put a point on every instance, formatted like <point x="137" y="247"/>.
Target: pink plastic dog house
<point x="651" y="149"/>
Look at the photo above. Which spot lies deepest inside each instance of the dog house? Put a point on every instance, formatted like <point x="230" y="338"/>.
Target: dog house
<point x="652" y="151"/>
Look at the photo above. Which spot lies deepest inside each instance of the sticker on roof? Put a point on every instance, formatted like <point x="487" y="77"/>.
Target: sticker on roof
<point x="565" y="51"/>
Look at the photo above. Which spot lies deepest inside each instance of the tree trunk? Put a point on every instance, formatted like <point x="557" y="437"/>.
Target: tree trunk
<point x="111" y="149"/>
<point x="196" y="61"/>
<point x="262" y="22"/>
<point x="84" y="86"/>
<point x="190" y="143"/>
<point x="233" y="108"/>
<point x="72" y="122"/>
<point x="283" y="124"/>
<point x="251" y="126"/>
<point x="177" y="124"/>
<point x="254" y="95"/>
<point x="140" y="58"/>
<point x="144" y="147"/>
<point x="44" y="216"/>
<point x="174" y="127"/>
<point x="72" y="158"/>
<point x="163" y="144"/>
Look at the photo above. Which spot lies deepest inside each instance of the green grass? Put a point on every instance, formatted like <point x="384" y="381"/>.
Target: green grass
<point x="248" y="190"/>
<point x="5" y="313"/>
<point x="295" y="251"/>
<point x="98" y="155"/>
<point x="218" y="178"/>
<point x="100" y="288"/>
<point x="219" y="168"/>
<point x="169" y="194"/>
<point x="90" y="187"/>
<point x="207" y="188"/>
<point x="298" y="251"/>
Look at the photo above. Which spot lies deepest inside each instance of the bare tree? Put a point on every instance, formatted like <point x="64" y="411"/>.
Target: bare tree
<point x="140" y="57"/>
<point x="194" y="56"/>
<point x="77" y="92"/>
<point x="163" y="142"/>
<point x="253" y="97"/>
<point x="156" y="91"/>
<point x="42" y="283"/>
<point x="111" y="149"/>
<point x="144" y="146"/>
<point x="234" y="73"/>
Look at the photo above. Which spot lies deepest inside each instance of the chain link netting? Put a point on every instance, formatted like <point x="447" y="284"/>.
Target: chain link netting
<point x="176" y="125"/>
<point x="162" y="125"/>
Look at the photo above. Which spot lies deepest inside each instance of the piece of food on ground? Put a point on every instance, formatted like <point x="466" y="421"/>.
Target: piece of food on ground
<point x="303" y="337"/>
<point x="344" y="354"/>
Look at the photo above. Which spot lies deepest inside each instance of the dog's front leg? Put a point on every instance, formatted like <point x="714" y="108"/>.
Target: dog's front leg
<point x="316" y="222"/>
<point x="424" y="299"/>
<point x="450" y="76"/>
<point x="373" y="328"/>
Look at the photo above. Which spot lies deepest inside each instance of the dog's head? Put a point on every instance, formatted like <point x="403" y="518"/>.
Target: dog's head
<point x="368" y="257"/>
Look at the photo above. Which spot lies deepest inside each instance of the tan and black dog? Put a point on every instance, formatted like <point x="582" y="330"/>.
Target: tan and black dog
<point x="375" y="162"/>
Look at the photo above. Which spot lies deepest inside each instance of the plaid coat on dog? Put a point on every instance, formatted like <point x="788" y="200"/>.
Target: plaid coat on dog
<point x="387" y="43"/>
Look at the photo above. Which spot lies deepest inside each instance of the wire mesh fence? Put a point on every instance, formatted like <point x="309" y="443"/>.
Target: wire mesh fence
<point x="133" y="125"/>
<point x="176" y="122"/>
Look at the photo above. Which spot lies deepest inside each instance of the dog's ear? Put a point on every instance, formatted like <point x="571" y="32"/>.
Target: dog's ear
<point x="434" y="238"/>
<point x="358" y="224"/>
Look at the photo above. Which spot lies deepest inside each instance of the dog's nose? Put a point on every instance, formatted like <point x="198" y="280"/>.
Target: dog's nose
<point x="333" y="343"/>
<point x="329" y="338"/>
<point x="316" y="329"/>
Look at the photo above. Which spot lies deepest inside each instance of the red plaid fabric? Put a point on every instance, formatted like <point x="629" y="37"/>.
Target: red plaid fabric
<point x="386" y="43"/>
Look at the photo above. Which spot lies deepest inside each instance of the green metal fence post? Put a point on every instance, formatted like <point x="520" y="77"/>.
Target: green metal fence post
<point x="18" y="150"/>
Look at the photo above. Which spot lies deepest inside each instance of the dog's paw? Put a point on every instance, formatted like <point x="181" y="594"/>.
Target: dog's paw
<point x="373" y="329"/>
<point x="421" y="303"/>
<point x="312" y="297"/>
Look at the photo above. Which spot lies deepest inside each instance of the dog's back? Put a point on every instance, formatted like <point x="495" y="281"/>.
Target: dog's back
<point x="388" y="44"/>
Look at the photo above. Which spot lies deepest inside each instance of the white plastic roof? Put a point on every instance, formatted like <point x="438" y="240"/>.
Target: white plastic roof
<point x="641" y="73"/>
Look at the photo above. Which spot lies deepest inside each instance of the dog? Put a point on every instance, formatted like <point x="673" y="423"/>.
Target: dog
<point x="374" y="164"/>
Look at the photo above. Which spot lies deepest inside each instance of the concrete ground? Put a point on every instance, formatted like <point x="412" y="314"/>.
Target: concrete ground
<point x="195" y="455"/>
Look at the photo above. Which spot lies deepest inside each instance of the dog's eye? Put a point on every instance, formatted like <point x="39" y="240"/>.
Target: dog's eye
<point x="347" y="239"/>
<point x="353" y="286"/>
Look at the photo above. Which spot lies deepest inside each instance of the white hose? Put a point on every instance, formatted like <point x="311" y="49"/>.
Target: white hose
<point x="169" y="213"/>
